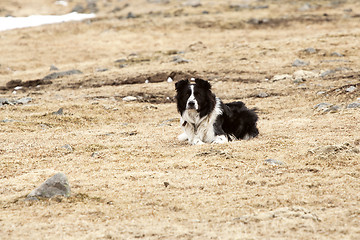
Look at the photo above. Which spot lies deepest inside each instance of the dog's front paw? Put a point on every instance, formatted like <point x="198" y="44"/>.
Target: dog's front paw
<point x="197" y="142"/>
<point x="220" y="139"/>
<point x="183" y="137"/>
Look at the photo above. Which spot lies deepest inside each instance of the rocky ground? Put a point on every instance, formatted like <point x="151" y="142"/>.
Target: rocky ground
<point x="91" y="99"/>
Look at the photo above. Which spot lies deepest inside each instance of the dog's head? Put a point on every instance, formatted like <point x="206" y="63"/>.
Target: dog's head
<point x="194" y="96"/>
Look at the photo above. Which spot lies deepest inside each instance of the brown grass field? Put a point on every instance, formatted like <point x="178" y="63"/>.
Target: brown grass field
<point x="124" y="151"/>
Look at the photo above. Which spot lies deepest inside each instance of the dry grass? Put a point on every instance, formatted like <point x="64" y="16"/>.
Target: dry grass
<point x="123" y="152"/>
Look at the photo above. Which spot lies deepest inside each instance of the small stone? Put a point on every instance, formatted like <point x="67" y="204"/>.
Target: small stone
<point x="59" y="112"/>
<point x="281" y="77"/>
<point x="57" y="185"/>
<point x="353" y="105"/>
<point x="166" y="184"/>
<point x="169" y="80"/>
<point x="101" y="69"/>
<point x="351" y="89"/>
<point x="299" y="63"/>
<point x="336" y="54"/>
<point x="131" y="15"/>
<point x="68" y="147"/>
<point x="24" y="100"/>
<point x="78" y="8"/>
<point x="129" y="98"/>
<point x="178" y="59"/>
<point x="326" y="73"/>
<point x="262" y="95"/>
<point x="310" y="50"/>
<point x="61" y="74"/>
<point x="274" y="162"/>
<point x="53" y="68"/>
<point x="192" y="3"/>
<point x="322" y="106"/>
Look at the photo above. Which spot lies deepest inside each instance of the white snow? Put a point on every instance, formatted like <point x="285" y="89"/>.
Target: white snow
<point x="8" y="23"/>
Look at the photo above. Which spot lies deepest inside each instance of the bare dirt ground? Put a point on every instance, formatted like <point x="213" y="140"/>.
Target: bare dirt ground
<point x="123" y="152"/>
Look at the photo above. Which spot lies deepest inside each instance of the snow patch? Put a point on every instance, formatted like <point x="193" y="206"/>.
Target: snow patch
<point x="8" y="23"/>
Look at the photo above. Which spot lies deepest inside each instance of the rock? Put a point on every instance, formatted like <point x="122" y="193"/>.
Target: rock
<point x="192" y="3"/>
<point x="310" y="50"/>
<point x="166" y="184"/>
<point x="326" y="73"/>
<point x="57" y="185"/>
<point x="131" y="15"/>
<point x="178" y="59"/>
<point x="78" y="8"/>
<point x="101" y="69"/>
<point x="299" y="63"/>
<point x="353" y="105"/>
<point x="129" y="98"/>
<point x="273" y="162"/>
<point x="59" y="112"/>
<point x="304" y="75"/>
<point x="24" y="100"/>
<point x="262" y="95"/>
<point x="61" y="74"/>
<point x="68" y="147"/>
<point x="7" y="120"/>
<point x="281" y="77"/>
<point x="336" y="54"/>
<point x="169" y="80"/>
<point x="350" y="89"/>
<point x="13" y="83"/>
<point x="53" y="68"/>
<point x="327" y="108"/>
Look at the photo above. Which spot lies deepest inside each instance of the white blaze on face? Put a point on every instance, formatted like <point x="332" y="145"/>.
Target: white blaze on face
<point x="192" y="102"/>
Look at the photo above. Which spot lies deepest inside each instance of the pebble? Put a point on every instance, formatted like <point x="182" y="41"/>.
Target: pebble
<point x="7" y="101"/>
<point x="53" y="68"/>
<point x="353" y="105"/>
<point x="326" y="73"/>
<point x="129" y="98"/>
<point x="274" y="162"/>
<point x="68" y="147"/>
<point x="262" y="95"/>
<point x="327" y="108"/>
<point x="169" y="80"/>
<point x="336" y="54"/>
<point x="350" y="89"/>
<point x="192" y="3"/>
<point x="61" y="74"/>
<point x="178" y="59"/>
<point x="59" y="112"/>
<point x="299" y="63"/>
<point x="310" y="50"/>
<point x="57" y="185"/>
<point x="281" y="77"/>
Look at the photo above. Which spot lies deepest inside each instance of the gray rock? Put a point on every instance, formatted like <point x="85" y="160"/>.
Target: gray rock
<point x="281" y="77"/>
<point x="350" y="89"/>
<point x="326" y="73"/>
<point x="192" y="3"/>
<point x="178" y="59"/>
<point x="68" y="147"/>
<point x="101" y="69"/>
<point x="274" y="162"/>
<point x="129" y="98"/>
<point x="131" y="15"/>
<point x="262" y="95"/>
<point x="353" y="105"/>
<point x="53" y="68"/>
<point x="299" y="63"/>
<point x="336" y="54"/>
<point x="57" y="185"/>
<point x="24" y="100"/>
<point x="59" y="112"/>
<point x="310" y="50"/>
<point x="61" y="74"/>
<point x="78" y="8"/>
<point x="7" y="120"/>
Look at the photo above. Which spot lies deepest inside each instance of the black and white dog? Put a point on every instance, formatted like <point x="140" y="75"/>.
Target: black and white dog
<point x="206" y="119"/>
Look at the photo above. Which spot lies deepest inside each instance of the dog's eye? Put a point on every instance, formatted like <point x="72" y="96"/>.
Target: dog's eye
<point x="197" y="93"/>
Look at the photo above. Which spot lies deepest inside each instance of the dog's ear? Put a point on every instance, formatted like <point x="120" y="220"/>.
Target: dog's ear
<point x="181" y="84"/>
<point x="202" y="83"/>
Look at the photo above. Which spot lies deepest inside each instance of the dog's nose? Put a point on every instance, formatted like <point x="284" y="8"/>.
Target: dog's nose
<point x="191" y="104"/>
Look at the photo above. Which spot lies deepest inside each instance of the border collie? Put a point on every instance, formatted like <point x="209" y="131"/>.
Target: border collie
<point x="206" y="119"/>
